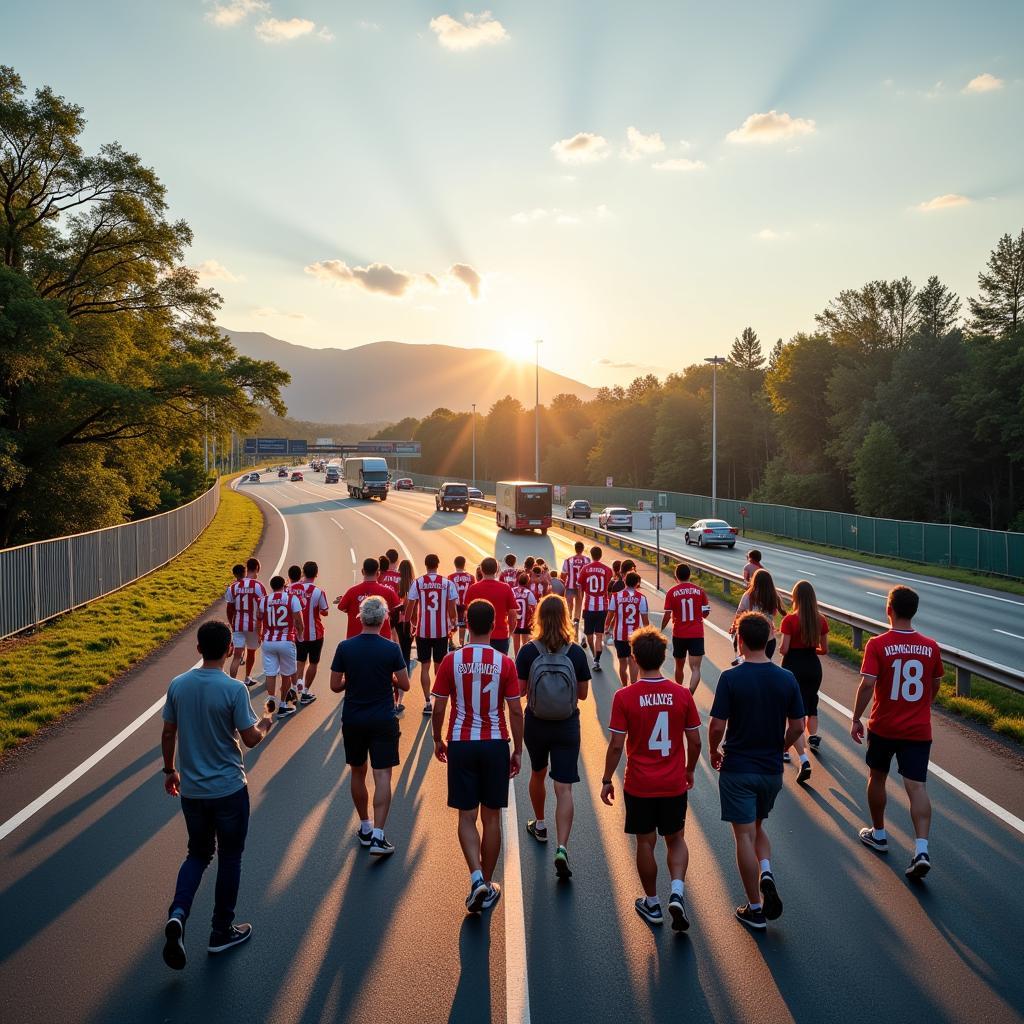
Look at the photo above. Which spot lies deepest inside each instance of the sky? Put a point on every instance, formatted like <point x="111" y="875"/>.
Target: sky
<point x="632" y="181"/>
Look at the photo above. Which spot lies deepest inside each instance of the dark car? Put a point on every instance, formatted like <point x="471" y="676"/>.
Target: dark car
<point x="251" y="478"/>
<point x="403" y="484"/>
<point x="332" y="475"/>
<point x="578" y="509"/>
<point x="452" y="498"/>
<point x="283" y="472"/>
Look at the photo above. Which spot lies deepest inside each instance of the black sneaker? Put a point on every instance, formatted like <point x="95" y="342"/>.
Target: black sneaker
<point x="919" y="866"/>
<point x="540" y="834"/>
<point x="786" y="759"/>
<point x="814" y="742"/>
<point x="562" y="868"/>
<point x="867" y="837"/>
<point x="676" y="911"/>
<point x="492" y="897"/>
<point x="753" y="919"/>
<point x="381" y="847"/>
<point x="770" y="899"/>
<point x="597" y="666"/>
<point x="293" y="694"/>
<point x="234" y="936"/>
<point x="174" y="947"/>
<point x="307" y="697"/>
<point x="652" y="915"/>
<point x="365" y="838"/>
<point x="477" y="894"/>
<point x="284" y="710"/>
<point x="805" y="771"/>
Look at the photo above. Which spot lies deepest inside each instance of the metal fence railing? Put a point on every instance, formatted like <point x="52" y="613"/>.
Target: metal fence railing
<point x="965" y="547"/>
<point x="45" y="579"/>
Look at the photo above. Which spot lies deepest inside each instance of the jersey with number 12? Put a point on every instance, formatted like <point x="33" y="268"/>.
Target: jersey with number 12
<point x="903" y="664"/>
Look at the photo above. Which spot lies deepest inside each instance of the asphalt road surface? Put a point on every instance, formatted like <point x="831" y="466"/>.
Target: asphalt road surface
<point x="86" y="880"/>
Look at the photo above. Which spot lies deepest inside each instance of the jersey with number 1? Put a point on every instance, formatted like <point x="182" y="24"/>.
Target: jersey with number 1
<point x="629" y="607"/>
<point x="904" y="664"/>
<point x="688" y="604"/>
<point x="655" y="715"/>
<point x="435" y="594"/>
<point x="594" y="580"/>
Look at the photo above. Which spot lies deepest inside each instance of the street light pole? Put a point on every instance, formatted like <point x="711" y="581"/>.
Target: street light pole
<point x="474" y="444"/>
<point x="536" y="413"/>
<point x="715" y="361"/>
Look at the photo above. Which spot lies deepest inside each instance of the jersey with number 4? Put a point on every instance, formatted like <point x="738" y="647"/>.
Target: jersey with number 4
<point x="904" y="665"/>
<point x="688" y="604"/>
<point x="628" y="607"/>
<point x="655" y="715"/>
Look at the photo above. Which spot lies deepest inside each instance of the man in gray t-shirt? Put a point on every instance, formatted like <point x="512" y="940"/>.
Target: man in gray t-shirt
<point x="205" y="715"/>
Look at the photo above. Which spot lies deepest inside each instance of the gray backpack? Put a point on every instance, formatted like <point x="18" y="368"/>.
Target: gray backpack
<point x="551" y="688"/>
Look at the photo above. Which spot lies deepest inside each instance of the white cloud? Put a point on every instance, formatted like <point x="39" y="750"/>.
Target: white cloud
<point x="946" y="202"/>
<point x="771" y="127"/>
<point x="531" y="216"/>
<point x="984" y="83"/>
<point x="934" y="92"/>
<point x="639" y="145"/>
<point x="382" y="279"/>
<point x="276" y="30"/>
<point x="771" y="235"/>
<point x="269" y="311"/>
<point x="211" y="270"/>
<point x="582" y="148"/>
<point x="679" y="164"/>
<point x="325" y="34"/>
<point x="564" y="218"/>
<point x="466" y="275"/>
<point x="368" y="26"/>
<point x="233" y="12"/>
<point x="474" y="30"/>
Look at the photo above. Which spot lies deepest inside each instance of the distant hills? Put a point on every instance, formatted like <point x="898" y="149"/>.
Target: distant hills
<point x="388" y="380"/>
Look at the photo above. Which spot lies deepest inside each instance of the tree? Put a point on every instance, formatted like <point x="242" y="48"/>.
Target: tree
<point x="880" y="315"/>
<point x="746" y="353"/>
<point x="938" y="309"/>
<point x="999" y="309"/>
<point x="882" y="468"/>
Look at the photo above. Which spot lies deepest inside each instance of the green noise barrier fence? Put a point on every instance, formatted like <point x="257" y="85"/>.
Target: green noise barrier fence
<point x="965" y="547"/>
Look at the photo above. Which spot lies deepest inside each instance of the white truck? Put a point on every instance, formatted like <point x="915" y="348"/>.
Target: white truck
<point x="367" y="478"/>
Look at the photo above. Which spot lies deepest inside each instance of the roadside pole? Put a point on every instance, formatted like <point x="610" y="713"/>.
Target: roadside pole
<point x="657" y="544"/>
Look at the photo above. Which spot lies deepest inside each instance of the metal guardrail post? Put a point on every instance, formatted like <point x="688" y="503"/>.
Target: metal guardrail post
<point x="727" y="587"/>
<point x="963" y="681"/>
<point x="858" y="638"/>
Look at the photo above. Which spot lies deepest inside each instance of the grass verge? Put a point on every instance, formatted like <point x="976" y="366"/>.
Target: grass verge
<point x="45" y="675"/>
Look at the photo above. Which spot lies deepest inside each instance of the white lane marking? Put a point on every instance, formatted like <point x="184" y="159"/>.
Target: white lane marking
<point x="1005" y="632"/>
<point x="517" y="985"/>
<point x="90" y="762"/>
<point x="466" y="540"/>
<point x="391" y="533"/>
<point x="951" y="780"/>
<point x="336" y="523"/>
<point x="352" y="552"/>
<point x="871" y="593"/>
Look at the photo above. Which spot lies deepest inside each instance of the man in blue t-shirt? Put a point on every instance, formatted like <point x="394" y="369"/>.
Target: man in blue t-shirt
<point x="759" y="712"/>
<point x="205" y="714"/>
<point x="367" y="668"/>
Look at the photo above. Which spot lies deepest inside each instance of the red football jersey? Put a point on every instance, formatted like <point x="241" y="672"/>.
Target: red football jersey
<point x="688" y="604"/>
<point x="904" y="664"/>
<point x="654" y="714"/>
<point x="276" y="611"/>
<point x="435" y="594"/>
<point x="355" y="596"/>
<point x="628" y="606"/>
<point x="479" y="680"/>
<point x="314" y="605"/>
<point x="510" y="575"/>
<point x="502" y="600"/>
<point x="463" y="581"/>
<point x="245" y="595"/>
<point x="594" y="579"/>
<point x="539" y="586"/>
<point x="390" y="578"/>
<point x="571" y="568"/>
<point x="527" y="604"/>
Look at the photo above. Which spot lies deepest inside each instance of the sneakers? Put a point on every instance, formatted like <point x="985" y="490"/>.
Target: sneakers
<point x="597" y="666"/>
<point x="381" y="847"/>
<point x="284" y="710"/>
<point x="753" y="919"/>
<point x="814" y="742"/>
<point x="234" y="936"/>
<point x="493" y="895"/>
<point x="677" y="912"/>
<point x="399" y="710"/>
<point x="540" y="834"/>
<point x="250" y="682"/>
<point x="786" y="759"/>
<point x="307" y="698"/>
<point x="365" y="838"/>
<point x="428" y="708"/>
<point x="805" y="771"/>
<point x="770" y="899"/>
<point x="477" y="894"/>
<point x="562" y="868"/>
<point x="867" y="837"/>
<point x="652" y="915"/>
<point x="293" y="694"/>
<point x="174" y="947"/>
<point x="919" y="866"/>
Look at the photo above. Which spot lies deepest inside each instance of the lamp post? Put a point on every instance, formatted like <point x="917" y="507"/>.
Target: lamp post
<point x="536" y="412"/>
<point x="474" y="444"/>
<point x="715" y="361"/>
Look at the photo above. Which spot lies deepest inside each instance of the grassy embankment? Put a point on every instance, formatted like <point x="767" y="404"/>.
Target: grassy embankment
<point x="45" y="675"/>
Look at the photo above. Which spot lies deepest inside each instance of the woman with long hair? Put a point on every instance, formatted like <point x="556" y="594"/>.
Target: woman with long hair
<point x="553" y="740"/>
<point x="761" y="596"/>
<point x="804" y="639"/>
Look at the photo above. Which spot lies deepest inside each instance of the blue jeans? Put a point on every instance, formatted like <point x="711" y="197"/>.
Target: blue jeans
<point x="219" y="825"/>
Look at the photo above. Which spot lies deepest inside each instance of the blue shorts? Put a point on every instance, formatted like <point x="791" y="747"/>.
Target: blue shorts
<point x="747" y="796"/>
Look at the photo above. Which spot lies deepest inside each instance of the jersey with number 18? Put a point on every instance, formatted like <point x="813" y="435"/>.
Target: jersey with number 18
<point x="903" y="664"/>
<point x="655" y="715"/>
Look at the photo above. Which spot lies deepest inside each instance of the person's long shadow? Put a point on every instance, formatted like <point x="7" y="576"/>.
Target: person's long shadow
<point x="473" y="992"/>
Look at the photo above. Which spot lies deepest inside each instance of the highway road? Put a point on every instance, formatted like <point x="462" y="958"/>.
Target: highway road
<point x="86" y="879"/>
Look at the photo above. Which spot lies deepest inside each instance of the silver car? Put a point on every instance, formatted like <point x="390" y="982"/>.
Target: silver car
<point x="706" y="532"/>
<point x="616" y="518"/>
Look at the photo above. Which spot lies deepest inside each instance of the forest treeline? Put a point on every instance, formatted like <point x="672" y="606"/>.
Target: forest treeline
<point x="904" y="402"/>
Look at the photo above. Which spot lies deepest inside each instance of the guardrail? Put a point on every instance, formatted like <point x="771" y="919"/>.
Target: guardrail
<point x="965" y="663"/>
<point x="48" y="578"/>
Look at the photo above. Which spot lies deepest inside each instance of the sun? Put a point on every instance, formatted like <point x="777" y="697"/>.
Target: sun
<point x="518" y="343"/>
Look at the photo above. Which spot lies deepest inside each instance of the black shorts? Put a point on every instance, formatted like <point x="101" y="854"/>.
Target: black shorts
<point x="428" y="649"/>
<point x="309" y="650"/>
<point x="500" y="644"/>
<point x="911" y="756"/>
<point x="378" y="740"/>
<point x="805" y="664"/>
<point x="645" y="814"/>
<point x="623" y="648"/>
<point x="684" y="645"/>
<point x="523" y="630"/>
<point x="460" y="615"/>
<point x="478" y="774"/>
<point x="593" y="622"/>
<point x="557" y="742"/>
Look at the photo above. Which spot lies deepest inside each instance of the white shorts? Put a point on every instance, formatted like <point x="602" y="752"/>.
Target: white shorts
<point x="279" y="657"/>
<point x="249" y="639"/>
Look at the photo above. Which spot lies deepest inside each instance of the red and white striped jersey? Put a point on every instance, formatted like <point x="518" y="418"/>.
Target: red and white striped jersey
<point x="463" y="581"/>
<point x="390" y="578"/>
<point x="314" y="604"/>
<point x="277" y="615"/>
<point x="571" y="568"/>
<point x="539" y="586"/>
<point x="594" y="579"/>
<point x="526" y="600"/>
<point x="479" y="680"/>
<point x="628" y="606"/>
<point x="434" y="594"/>
<point x="510" y="575"/>
<point x="245" y="595"/>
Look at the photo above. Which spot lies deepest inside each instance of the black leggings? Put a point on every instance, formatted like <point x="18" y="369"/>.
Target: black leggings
<point x="805" y="664"/>
<point x="403" y="633"/>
